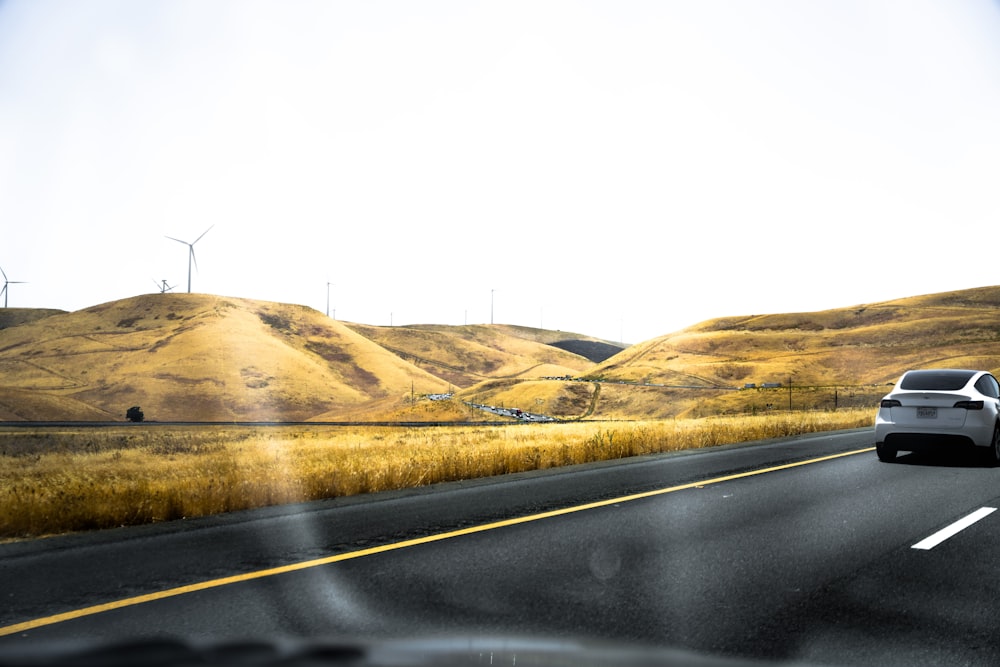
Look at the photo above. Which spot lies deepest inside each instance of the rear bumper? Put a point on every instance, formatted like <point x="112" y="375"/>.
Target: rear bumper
<point x="976" y="431"/>
<point x="922" y="442"/>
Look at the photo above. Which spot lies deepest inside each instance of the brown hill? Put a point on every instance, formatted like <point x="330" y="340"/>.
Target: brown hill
<point x="196" y="357"/>
<point x="858" y="350"/>
<point x="199" y="357"/>
<point x="466" y="355"/>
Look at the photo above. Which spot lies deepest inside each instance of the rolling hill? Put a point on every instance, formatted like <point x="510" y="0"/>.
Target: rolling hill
<point x="859" y="349"/>
<point x="207" y="358"/>
<point x="868" y="344"/>
<point x="201" y="357"/>
<point x="197" y="357"/>
<point x="466" y="355"/>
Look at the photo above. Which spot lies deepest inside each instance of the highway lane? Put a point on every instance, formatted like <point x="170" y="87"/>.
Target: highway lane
<point x="91" y="568"/>
<point x="811" y="562"/>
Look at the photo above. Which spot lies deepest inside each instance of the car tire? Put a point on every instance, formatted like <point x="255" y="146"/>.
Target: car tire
<point x="993" y="455"/>
<point x="886" y="454"/>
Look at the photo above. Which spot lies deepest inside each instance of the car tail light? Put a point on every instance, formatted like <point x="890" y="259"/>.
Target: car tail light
<point x="890" y="403"/>
<point x="970" y="405"/>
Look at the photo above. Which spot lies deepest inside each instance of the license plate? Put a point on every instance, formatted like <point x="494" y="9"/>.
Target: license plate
<point x="927" y="413"/>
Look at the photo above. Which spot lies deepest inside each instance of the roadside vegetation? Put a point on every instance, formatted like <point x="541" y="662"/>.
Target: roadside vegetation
<point x="75" y="479"/>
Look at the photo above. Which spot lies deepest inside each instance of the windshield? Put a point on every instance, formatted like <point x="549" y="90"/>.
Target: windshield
<point x="503" y="328"/>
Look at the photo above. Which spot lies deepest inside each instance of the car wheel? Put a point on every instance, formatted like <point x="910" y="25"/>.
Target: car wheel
<point x="993" y="455"/>
<point x="887" y="454"/>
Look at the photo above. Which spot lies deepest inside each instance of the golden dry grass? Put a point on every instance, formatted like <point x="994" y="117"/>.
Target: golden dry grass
<point x="73" y="479"/>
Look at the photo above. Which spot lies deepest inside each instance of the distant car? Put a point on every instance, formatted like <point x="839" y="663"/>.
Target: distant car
<point x="930" y="409"/>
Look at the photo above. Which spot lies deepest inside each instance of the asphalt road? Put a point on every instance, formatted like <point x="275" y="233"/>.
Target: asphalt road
<point x="783" y="551"/>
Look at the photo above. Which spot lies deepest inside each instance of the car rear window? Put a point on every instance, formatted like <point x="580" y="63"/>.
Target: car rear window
<point x="947" y="380"/>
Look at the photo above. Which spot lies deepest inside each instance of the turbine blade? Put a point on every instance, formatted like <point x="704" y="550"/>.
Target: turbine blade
<point x="4" y="274"/>
<point x="194" y="258"/>
<point x="202" y="234"/>
<point x="178" y="240"/>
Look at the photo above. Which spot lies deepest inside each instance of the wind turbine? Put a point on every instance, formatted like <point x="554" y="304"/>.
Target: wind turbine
<point x="8" y="282"/>
<point x="164" y="287"/>
<point x="191" y="253"/>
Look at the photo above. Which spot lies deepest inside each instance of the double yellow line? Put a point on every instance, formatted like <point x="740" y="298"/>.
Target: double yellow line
<point x="304" y="565"/>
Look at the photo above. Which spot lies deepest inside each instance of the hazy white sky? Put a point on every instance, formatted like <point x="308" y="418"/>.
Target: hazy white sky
<point x="620" y="169"/>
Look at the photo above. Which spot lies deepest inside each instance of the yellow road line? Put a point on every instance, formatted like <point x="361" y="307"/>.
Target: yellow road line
<point x="303" y="565"/>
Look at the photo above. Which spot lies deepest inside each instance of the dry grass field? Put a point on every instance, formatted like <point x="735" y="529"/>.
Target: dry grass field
<point x="73" y="479"/>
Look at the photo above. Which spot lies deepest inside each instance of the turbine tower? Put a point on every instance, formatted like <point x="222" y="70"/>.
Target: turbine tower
<point x="5" y="283"/>
<point x="191" y="258"/>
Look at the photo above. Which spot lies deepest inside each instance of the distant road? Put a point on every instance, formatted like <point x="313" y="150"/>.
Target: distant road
<point x="798" y="549"/>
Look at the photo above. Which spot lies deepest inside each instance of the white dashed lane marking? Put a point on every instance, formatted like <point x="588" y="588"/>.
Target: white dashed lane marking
<point x="937" y="538"/>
